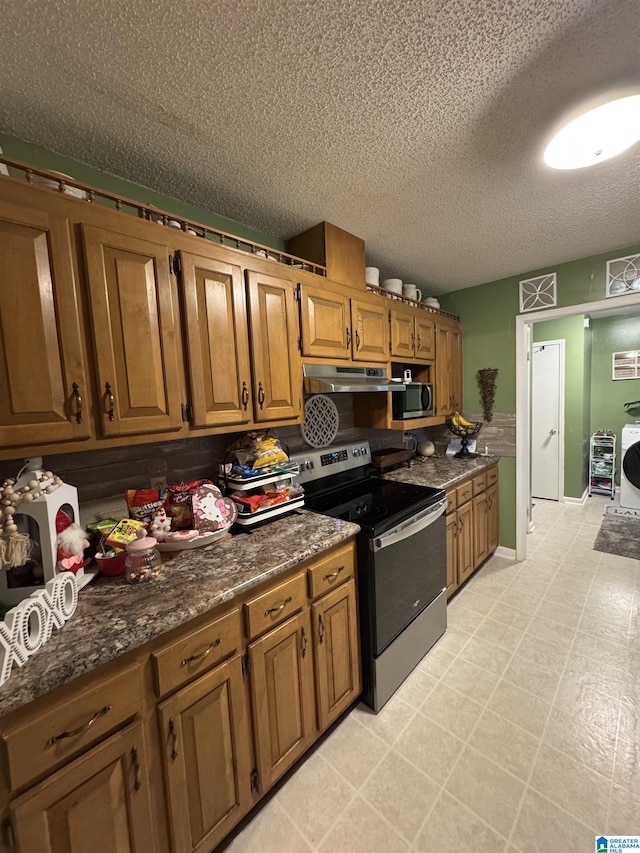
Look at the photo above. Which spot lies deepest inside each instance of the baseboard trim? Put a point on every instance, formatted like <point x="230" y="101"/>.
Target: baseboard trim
<point x="501" y="551"/>
<point x="580" y="501"/>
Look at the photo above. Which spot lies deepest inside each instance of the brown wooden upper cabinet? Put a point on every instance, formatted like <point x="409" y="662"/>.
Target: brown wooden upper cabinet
<point x="412" y="334"/>
<point x="215" y="315"/>
<point x="135" y="328"/>
<point x="275" y="358"/>
<point x="448" y="363"/>
<point x="325" y="321"/>
<point x="369" y="329"/>
<point x="43" y="378"/>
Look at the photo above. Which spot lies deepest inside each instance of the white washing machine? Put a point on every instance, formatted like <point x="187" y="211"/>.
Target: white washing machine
<point x="630" y="467"/>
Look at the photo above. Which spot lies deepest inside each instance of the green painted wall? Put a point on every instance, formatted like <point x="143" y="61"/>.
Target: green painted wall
<point x="571" y="331"/>
<point x="609" y="335"/>
<point x="488" y="315"/>
<point x="26" y="152"/>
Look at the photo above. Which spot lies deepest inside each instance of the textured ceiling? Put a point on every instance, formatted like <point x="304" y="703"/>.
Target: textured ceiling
<point x="416" y="124"/>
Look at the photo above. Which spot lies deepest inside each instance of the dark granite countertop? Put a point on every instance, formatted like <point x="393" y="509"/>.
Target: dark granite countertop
<point x="441" y="471"/>
<point x="114" y="617"/>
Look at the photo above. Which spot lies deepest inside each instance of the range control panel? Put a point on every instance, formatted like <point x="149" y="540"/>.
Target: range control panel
<point x="314" y="464"/>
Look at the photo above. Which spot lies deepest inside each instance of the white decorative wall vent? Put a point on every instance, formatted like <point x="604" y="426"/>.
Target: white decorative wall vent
<point x="623" y="275"/>
<point x="538" y="292"/>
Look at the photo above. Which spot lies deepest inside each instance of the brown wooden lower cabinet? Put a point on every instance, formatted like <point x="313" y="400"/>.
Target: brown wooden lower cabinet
<point x="472" y="527"/>
<point x="336" y="652"/>
<point x="205" y="737"/>
<point x="98" y="802"/>
<point x="282" y="694"/>
<point x="167" y="748"/>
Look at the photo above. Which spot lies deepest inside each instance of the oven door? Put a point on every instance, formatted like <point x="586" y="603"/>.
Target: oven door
<point x="408" y="569"/>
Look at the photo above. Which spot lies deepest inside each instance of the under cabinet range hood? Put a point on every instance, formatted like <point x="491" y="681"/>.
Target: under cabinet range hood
<point x="346" y="378"/>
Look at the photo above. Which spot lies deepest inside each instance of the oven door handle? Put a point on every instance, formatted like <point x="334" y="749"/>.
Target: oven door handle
<point x="411" y="528"/>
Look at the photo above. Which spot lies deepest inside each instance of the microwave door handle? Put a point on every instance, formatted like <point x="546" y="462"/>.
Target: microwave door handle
<point x="427" y="391"/>
<point x="423" y="521"/>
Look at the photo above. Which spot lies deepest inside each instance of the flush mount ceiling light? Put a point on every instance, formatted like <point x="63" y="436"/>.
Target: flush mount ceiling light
<point x="596" y="135"/>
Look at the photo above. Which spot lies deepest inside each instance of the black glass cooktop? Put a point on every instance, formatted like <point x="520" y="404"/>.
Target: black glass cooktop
<point x="374" y="504"/>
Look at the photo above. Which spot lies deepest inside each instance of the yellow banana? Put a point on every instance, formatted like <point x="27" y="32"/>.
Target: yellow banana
<point x="463" y="421"/>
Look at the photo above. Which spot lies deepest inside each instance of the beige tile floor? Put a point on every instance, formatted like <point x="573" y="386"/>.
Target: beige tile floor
<point x="519" y="732"/>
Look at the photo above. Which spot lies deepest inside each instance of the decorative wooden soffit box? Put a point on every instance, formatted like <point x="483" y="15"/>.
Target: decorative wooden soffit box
<point x="340" y="252"/>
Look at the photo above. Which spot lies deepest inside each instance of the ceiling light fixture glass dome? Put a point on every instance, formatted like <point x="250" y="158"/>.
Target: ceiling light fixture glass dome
<point x="597" y="135"/>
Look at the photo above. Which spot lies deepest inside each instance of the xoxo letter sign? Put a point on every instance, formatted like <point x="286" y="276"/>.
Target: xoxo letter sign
<point x="29" y="625"/>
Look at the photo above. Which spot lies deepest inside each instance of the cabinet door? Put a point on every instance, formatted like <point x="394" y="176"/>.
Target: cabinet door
<point x="452" y="553"/>
<point x="205" y="738"/>
<point x="370" y="329"/>
<point x="276" y="364"/>
<point x="282" y="694"/>
<point x="425" y="338"/>
<point x="493" y="514"/>
<point x="466" y="565"/>
<point x="456" y="368"/>
<point x="135" y="327"/>
<point x="337" y="654"/>
<point x="41" y="360"/>
<point x="403" y="335"/>
<point x="217" y="341"/>
<point x="480" y="546"/>
<point x="98" y="802"/>
<point x="325" y="322"/>
<point x="442" y="385"/>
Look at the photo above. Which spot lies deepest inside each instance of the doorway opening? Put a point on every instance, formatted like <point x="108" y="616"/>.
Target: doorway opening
<point x="524" y="324"/>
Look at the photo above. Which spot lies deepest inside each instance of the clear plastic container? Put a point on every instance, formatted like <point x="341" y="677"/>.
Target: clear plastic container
<point x="143" y="561"/>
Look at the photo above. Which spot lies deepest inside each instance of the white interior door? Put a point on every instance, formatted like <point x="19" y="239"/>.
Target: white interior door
<point x="547" y="393"/>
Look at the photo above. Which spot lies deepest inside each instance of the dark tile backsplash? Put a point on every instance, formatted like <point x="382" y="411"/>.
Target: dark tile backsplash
<point x="102" y="474"/>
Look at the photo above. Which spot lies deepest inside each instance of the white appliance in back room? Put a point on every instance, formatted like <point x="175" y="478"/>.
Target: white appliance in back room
<point x="630" y="467"/>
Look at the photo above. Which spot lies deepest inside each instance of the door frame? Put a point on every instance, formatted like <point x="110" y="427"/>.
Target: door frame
<point x="561" y="344"/>
<point x="523" y="403"/>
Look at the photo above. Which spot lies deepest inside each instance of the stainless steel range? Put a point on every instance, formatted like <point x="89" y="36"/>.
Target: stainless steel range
<point x="402" y="563"/>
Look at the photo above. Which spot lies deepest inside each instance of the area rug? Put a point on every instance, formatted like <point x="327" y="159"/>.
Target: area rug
<point x="622" y="511"/>
<point x="619" y="535"/>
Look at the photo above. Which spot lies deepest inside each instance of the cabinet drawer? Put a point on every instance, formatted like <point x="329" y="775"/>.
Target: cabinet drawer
<point x="492" y="476"/>
<point x="331" y="571"/>
<point x="452" y="501"/>
<point x="44" y="739"/>
<point x="464" y="492"/>
<point x="479" y="484"/>
<point x="275" y="605"/>
<point x="197" y="652"/>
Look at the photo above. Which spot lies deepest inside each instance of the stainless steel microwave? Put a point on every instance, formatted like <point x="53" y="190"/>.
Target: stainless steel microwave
<point x="414" y="401"/>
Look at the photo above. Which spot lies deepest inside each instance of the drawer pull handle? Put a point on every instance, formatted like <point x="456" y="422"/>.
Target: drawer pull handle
<point x="80" y="729"/>
<point x="303" y="635"/>
<point x="78" y="401"/>
<point x="320" y="629"/>
<point x="279" y="607"/>
<point x="203" y="654"/>
<point x="174" y="736"/>
<point x="136" y="768"/>
<point x="261" y="395"/>
<point x="348" y="330"/>
<point x="333" y="574"/>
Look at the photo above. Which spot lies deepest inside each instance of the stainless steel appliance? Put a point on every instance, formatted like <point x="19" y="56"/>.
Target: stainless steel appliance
<point x="414" y="401"/>
<point x="346" y="378"/>
<point x="401" y="560"/>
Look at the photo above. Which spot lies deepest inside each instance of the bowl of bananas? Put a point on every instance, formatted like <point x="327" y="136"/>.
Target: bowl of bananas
<point x="464" y="429"/>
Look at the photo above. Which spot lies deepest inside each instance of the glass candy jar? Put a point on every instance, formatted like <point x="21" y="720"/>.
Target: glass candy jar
<point x="143" y="559"/>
